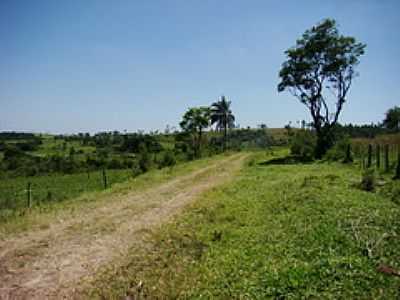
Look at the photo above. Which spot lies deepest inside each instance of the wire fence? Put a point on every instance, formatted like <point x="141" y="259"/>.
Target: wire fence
<point x="18" y="193"/>
<point x="381" y="157"/>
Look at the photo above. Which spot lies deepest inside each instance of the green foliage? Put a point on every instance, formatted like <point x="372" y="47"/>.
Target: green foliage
<point x="222" y="116"/>
<point x="368" y="180"/>
<point x="321" y="60"/>
<point x="240" y="139"/>
<point x="131" y="143"/>
<point x="168" y="160"/>
<point x="194" y="121"/>
<point x="341" y="151"/>
<point x="145" y="161"/>
<point x="392" y="119"/>
<point x="302" y="144"/>
<point x="136" y="170"/>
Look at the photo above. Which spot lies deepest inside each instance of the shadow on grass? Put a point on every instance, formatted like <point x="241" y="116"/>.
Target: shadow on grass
<point x="286" y="160"/>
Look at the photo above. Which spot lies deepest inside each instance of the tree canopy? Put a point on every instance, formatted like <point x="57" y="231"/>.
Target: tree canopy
<point x="392" y="119"/>
<point x="222" y="116"/>
<point x="319" y="71"/>
<point x="194" y="121"/>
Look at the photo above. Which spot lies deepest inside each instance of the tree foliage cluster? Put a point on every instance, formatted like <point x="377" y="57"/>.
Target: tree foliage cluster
<point x="319" y="71"/>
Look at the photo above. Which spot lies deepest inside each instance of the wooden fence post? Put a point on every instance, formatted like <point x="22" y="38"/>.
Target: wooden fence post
<point x="104" y="178"/>
<point x="362" y="153"/>
<point x="378" y="156"/>
<point x="397" y="176"/>
<point x="348" y="158"/>
<point x="369" y="161"/>
<point x="29" y="194"/>
<point x="386" y="154"/>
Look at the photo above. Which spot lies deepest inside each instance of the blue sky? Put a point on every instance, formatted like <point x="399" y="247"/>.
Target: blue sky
<point x="77" y="66"/>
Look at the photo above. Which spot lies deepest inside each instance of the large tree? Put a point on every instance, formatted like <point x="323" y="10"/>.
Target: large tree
<point x="222" y="116"/>
<point x="392" y="119"/>
<point x="194" y="121"/>
<point x="319" y="71"/>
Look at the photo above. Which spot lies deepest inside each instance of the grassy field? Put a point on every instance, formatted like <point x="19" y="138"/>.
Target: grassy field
<point x="56" y="187"/>
<point x="278" y="231"/>
<point x="75" y="200"/>
<point x="390" y="139"/>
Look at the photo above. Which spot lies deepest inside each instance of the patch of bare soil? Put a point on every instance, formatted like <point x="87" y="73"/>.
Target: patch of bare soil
<point x="48" y="263"/>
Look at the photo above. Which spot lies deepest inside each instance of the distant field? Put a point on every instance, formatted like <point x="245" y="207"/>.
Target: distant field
<point x="56" y="187"/>
<point x="277" y="133"/>
<point x="390" y="139"/>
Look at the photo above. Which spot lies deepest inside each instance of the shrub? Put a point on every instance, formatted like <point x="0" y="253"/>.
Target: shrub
<point x="302" y="144"/>
<point x="136" y="170"/>
<point x="341" y="151"/>
<point x="144" y="159"/>
<point x="115" y="164"/>
<point x="368" y="180"/>
<point x="168" y="160"/>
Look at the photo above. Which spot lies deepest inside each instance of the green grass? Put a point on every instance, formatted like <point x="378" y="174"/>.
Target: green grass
<point x="278" y="231"/>
<point x="51" y="146"/>
<point x="55" y="187"/>
<point x="40" y="216"/>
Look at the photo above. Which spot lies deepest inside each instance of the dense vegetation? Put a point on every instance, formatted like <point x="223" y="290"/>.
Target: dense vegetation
<point x="59" y="167"/>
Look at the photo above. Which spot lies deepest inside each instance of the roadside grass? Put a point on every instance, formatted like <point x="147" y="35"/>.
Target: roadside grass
<point x="277" y="231"/>
<point x="47" y="212"/>
<point x="53" y="188"/>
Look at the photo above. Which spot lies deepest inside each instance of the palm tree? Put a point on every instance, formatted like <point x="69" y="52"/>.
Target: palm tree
<point x="194" y="121"/>
<point x="221" y="115"/>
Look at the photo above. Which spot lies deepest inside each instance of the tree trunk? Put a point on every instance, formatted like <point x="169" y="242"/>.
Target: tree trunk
<point x="324" y="142"/>
<point x="199" y="143"/>
<point x="225" y="136"/>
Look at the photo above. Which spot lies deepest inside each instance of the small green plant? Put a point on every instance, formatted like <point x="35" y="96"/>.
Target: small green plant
<point x="251" y="162"/>
<point x="168" y="160"/>
<point x="368" y="180"/>
<point x="136" y="170"/>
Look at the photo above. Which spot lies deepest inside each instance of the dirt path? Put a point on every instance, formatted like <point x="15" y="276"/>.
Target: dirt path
<point x="48" y="263"/>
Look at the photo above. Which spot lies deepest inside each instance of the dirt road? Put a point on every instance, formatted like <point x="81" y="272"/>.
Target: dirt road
<point x="48" y="263"/>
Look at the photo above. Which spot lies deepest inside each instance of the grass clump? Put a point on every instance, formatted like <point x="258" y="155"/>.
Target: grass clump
<point x="368" y="180"/>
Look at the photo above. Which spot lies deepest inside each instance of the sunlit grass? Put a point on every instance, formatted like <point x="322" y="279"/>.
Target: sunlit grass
<point x="44" y="213"/>
<point x="277" y="231"/>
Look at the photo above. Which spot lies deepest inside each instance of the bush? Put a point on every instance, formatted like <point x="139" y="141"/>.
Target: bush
<point x="341" y="151"/>
<point x="302" y="144"/>
<point x="368" y="180"/>
<point x="144" y="159"/>
<point x="168" y="160"/>
<point x="136" y="170"/>
<point x="115" y="164"/>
